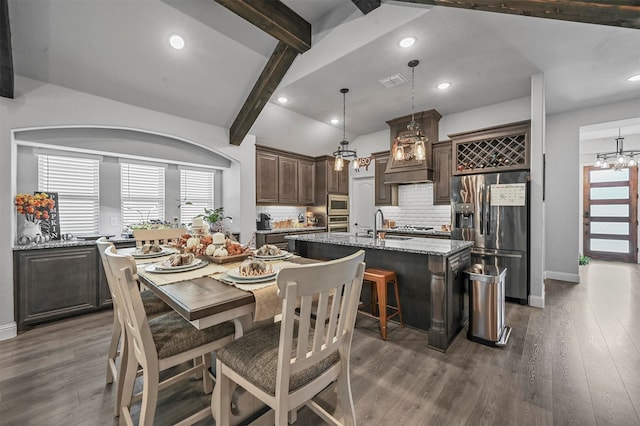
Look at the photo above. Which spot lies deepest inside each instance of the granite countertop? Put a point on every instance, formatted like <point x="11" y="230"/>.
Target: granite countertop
<point x="290" y="230"/>
<point x="420" y="245"/>
<point x="68" y="243"/>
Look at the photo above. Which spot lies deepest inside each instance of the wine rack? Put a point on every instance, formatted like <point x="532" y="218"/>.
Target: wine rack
<point x="494" y="149"/>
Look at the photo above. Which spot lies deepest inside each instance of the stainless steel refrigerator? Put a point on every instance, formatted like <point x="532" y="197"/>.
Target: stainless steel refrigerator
<point x="493" y="211"/>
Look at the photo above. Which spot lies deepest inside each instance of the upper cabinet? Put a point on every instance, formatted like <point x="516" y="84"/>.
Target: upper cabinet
<point x="441" y="173"/>
<point x="385" y="194"/>
<point x="284" y="178"/>
<point x="493" y="149"/>
<point x="328" y="181"/>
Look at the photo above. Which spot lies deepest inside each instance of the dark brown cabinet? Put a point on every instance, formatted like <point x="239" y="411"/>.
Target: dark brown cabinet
<point x="266" y="177"/>
<point x="55" y="283"/>
<point x="284" y="178"/>
<point x="306" y="182"/>
<point x="385" y="195"/>
<point x="442" y="173"/>
<point x="328" y="181"/>
<point x="287" y="180"/>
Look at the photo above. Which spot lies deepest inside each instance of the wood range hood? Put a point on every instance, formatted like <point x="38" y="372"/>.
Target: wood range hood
<point x="412" y="171"/>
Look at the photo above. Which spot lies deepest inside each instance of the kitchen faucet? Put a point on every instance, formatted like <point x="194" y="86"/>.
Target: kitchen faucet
<point x="375" y="222"/>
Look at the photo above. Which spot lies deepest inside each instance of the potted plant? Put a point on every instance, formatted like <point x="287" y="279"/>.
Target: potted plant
<point x="583" y="260"/>
<point x="214" y="217"/>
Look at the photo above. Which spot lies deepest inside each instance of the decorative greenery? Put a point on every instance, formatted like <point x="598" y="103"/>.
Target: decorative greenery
<point x="583" y="260"/>
<point x="213" y="215"/>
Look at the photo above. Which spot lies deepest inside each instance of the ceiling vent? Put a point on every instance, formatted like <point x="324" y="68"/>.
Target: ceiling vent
<point x="394" y="80"/>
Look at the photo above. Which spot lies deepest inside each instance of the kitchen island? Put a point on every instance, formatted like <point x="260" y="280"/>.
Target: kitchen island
<point x="429" y="270"/>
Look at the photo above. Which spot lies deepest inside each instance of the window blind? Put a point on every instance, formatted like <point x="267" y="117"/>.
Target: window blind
<point x="196" y="187"/>
<point x="142" y="193"/>
<point x="77" y="182"/>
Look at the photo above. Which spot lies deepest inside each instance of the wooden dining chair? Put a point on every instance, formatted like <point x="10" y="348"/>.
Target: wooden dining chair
<point x="158" y="344"/>
<point x="286" y="364"/>
<point x="157" y="236"/>
<point x="152" y="305"/>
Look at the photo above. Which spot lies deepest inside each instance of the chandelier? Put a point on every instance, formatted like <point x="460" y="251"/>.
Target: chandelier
<point x="618" y="159"/>
<point x="343" y="152"/>
<point x="410" y="144"/>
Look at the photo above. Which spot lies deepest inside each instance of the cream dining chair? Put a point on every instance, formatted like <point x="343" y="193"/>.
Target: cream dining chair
<point x="152" y="305"/>
<point x="158" y="236"/>
<point x="158" y="344"/>
<point x="286" y="364"/>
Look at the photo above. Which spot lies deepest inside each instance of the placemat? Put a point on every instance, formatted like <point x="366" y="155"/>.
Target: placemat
<point x="163" y="279"/>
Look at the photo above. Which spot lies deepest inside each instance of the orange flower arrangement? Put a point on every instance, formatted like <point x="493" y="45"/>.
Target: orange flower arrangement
<point x="34" y="207"/>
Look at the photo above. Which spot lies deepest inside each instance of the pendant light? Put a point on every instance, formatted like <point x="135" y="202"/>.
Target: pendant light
<point x="343" y="152"/>
<point x="410" y="144"/>
<point x="621" y="158"/>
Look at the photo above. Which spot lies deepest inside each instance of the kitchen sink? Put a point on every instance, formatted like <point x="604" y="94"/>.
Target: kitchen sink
<point x="388" y="237"/>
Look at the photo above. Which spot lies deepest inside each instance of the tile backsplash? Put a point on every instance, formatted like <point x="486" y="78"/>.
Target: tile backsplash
<point x="415" y="207"/>
<point x="281" y="212"/>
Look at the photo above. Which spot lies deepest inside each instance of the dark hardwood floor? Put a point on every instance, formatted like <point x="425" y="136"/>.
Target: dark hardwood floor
<point x="576" y="362"/>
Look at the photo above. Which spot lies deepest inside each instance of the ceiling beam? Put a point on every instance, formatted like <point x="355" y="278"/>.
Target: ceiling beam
<point x="277" y="66"/>
<point x="366" y="6"/>
<point x="294" y="36"/>
<point x="618" y="13"/>
<point x="6" y="61"/>
<point x="274" y="18"/>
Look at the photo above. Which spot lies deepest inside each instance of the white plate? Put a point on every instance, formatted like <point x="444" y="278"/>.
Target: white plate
<point x="199" y="263"/>
<point x="247" y="280"/>
<point x="235" y="274"/>
<point x="165" y="252"/>
<point x="196" y="262"/>
<point x="282" y="255"/>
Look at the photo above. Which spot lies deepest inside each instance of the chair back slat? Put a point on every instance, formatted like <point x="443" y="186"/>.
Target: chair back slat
<point x="342" y="279"/>
<point x="157" y="236"/>
<point x="124" y="270"/>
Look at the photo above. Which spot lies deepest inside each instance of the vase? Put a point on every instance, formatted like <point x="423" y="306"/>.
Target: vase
<point x="30" y="230"/>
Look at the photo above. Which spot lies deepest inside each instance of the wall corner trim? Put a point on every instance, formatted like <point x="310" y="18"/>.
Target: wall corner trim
<point x="536" y="302"/>
<point x="8" y="331"/>
<point x="562" y="276"/>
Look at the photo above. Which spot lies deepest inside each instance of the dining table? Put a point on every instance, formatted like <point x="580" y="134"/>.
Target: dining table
<point x="206" y="296"/>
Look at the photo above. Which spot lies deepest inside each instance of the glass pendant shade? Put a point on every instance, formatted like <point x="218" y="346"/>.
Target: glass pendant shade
<point x="410" y="144"/>
<point x="338" y="164"/>
<point x="620" y="159"/>
<point x="343" y="152"/>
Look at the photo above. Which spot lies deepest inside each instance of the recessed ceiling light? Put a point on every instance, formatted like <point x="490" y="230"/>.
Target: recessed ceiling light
<point x="334" y="121"/>
<point x="176" y="42"/>
<point x="407" y="42"/>
<point x="283" y="99"/>
<point x="443" y="86"/>
<point x="634" y="77"/>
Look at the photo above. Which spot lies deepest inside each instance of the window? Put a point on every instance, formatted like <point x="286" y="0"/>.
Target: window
<point x="76" y="180"/>
<point x="142" y="193"/>
<point x="196" y="187"/>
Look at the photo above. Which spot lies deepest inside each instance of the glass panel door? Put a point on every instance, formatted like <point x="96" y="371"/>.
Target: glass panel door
<point x="611" y="213"/>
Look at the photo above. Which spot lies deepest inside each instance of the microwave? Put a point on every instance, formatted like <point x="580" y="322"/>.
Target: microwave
<point x="337" y="205"/>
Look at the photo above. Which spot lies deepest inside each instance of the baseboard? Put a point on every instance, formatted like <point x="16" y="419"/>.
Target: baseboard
<point x="536" y="302"/>
<point x="8" y="331"/>
<point x="562" y="276"/>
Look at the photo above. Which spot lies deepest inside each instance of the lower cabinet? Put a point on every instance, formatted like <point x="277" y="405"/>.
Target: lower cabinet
<point x="55" y="283"/>
<point x="278" y="239"/>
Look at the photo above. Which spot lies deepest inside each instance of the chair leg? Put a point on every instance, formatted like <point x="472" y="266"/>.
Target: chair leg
<point x="198" y="373"/>
<point x="221" y="401"/>
<point x="151" y="380"/>
<point x="128" y="372"/>
<point x="113" y="348"/>
<point x="206" y="377"/>
<point x="345" y="398"/>
<point x="122" y="373"/>
<point x="282" y="417"/>
<point x="382" y="306"/>
<point x="395" y="288"/>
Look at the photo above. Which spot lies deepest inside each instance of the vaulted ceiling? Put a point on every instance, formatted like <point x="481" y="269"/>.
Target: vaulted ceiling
<point x="119" y="50"/>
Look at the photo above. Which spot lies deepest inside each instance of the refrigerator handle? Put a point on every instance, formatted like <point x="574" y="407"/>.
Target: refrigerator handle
<point x="488" y="210"/>
<point x="481" y="209"/>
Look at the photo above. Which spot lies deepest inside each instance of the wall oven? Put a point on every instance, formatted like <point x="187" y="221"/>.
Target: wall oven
<point x="338" y="223"/>
<point x="337" y="205"/>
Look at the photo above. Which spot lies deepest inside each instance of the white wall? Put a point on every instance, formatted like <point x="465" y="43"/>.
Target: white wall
<point x="37" y="104"/>
<point x="562" y="231"/>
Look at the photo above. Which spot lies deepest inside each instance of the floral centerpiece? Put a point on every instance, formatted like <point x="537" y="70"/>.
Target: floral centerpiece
<point x="35" y="209"/>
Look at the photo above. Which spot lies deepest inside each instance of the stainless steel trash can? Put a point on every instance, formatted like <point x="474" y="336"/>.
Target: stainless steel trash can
<point x="486" y="305"/>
